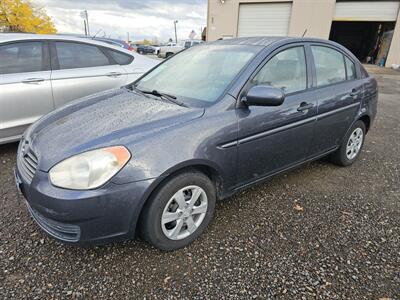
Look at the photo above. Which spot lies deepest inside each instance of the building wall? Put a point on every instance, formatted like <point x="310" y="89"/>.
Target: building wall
<point x="222" y="20"/>
<point x="394" y="51"/>
<point x="315" y="16"/>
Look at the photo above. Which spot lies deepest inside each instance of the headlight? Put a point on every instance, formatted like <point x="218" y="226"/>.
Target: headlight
<point x="90" y="169"/>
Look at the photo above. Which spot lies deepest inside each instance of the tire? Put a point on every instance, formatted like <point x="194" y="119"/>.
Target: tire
<point x="168" y="225"/>
<point x="169" y="54"/>
<point x="345" y="156"/>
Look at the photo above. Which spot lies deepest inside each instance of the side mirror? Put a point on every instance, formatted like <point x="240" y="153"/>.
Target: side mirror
<point x="264" y="95"/>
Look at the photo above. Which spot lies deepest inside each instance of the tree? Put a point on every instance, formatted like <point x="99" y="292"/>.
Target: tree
<point x="22" y="16"/>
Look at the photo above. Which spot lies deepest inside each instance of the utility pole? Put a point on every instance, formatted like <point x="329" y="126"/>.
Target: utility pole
<point x="176" y="36"/>
<point x="85" y="16"/>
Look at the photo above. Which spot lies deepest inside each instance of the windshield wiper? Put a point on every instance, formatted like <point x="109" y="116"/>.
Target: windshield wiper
<point x="156" y="93"/>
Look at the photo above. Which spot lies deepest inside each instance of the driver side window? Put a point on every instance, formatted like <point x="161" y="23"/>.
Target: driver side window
<point x="287" y="70"/>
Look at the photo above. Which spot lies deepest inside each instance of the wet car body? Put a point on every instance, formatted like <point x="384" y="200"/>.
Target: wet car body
<point x="235" y="145"/>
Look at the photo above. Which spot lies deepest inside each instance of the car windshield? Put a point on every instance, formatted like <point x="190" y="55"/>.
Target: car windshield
<point x="200" y="74"/>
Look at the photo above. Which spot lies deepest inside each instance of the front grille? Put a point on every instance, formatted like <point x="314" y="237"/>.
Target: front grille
<point x="61" y="231"/>
<point x="28" y="162"/>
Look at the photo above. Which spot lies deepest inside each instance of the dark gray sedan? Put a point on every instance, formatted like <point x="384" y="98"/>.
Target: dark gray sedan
<point x="153" y="157"/>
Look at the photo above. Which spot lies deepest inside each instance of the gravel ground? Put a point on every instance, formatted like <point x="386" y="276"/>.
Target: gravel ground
<point x="318" y="232"/>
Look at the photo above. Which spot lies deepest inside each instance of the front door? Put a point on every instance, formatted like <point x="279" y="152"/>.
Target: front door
<point x="275" y="138"/>
<point x="25" y="86"/>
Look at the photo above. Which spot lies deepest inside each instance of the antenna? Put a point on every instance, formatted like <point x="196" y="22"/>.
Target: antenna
<point x="305" y="31"/>
<point x="93" y="37"/>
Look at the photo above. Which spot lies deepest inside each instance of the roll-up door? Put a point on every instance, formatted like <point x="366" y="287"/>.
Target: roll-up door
<point x="264" y="19"/>
<point x="367" y="11"/>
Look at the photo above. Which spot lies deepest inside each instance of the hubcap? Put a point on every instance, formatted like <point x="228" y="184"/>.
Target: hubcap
<point x="184" y="212"/>
<point x="354" y="143"/>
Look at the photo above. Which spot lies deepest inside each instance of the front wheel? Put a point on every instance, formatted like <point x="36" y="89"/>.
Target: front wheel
<point x="351" y="146"/>
<point x="179" y="211"/>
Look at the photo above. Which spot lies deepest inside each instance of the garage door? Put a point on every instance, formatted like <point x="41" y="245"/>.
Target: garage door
<point x="264" y="19"/>
<point x="367" y="11"/>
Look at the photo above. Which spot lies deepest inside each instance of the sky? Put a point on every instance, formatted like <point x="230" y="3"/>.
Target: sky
<point x="141" y="18"/>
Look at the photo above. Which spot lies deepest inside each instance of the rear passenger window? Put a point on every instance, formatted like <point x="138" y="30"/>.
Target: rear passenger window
<point x="351" y="69"/>
<point x="287" y="70"/>
<point x="78" y="55"/>
<point x="21" y="57"/>
<point x="120" y="58"/>
<point x="329" y="65"/>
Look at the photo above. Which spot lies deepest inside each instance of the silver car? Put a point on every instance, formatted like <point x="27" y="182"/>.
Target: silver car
<point x="39" y="73"/>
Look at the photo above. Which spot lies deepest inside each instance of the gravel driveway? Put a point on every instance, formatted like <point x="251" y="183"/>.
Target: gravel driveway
<point x="318" y="232"/>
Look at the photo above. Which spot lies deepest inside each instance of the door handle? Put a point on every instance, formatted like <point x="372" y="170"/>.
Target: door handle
<point x="354" y="93"/>
<point x="305" y="106"/>
<point x="113" y="74"/>
<point x="33" y="80"/>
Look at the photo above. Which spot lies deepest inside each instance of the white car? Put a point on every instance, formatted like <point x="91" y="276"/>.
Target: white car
<point x="39" y="73"/>
<point x="173" y="48"/>
<point x="156" y="49"/>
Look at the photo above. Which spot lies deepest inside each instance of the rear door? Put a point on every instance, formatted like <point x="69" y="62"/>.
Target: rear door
<point x="25" y="86"/>
<point x="81" y="69"/>
<point x="338" y="92"/>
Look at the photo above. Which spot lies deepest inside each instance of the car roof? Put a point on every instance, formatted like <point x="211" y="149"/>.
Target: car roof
<point x="266" y="40"/>
<point x="109" y="39"/>
<point x="10" y="37"/>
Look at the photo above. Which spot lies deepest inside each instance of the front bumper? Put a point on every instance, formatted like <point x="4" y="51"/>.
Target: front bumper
<point x="84" y="217"/>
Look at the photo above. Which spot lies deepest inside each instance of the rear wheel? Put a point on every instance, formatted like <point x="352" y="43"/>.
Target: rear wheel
<point x="169" y="54"/>
<point x="351" y="146"/>
<point x="179" y="211"/>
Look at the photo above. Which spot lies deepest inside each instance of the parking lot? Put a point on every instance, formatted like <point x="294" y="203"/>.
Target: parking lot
<point x="318" y="232"/>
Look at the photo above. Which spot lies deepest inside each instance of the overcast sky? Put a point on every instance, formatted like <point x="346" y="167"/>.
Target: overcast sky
<point x="141" y="18"/>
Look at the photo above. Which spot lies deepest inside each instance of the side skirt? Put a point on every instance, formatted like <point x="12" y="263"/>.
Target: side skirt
<point x="269" y="176"/>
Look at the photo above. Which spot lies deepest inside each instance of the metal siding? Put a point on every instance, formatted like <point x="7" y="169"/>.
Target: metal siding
<point x="264" y="19"/>
<point x="367" y="11"/>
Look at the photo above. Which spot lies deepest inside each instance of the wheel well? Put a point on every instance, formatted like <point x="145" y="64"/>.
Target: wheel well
<point x="207" y="170"/>
<point x="210" y="172"/>
<point x="367" y="121"/>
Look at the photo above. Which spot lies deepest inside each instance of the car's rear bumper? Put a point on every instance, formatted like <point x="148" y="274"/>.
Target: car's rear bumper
<point x="84" y="217"/>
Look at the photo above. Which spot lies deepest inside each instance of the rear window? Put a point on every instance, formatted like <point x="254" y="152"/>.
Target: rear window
<point x="350" y="69"/>
<point x="78" y="55"/>
<point x="21" y="57"/>
<point x="119" y="57"/>
<point x="329" y="65"/>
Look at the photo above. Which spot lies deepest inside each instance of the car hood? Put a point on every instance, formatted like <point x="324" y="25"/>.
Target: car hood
<point x="113" y="117"/>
